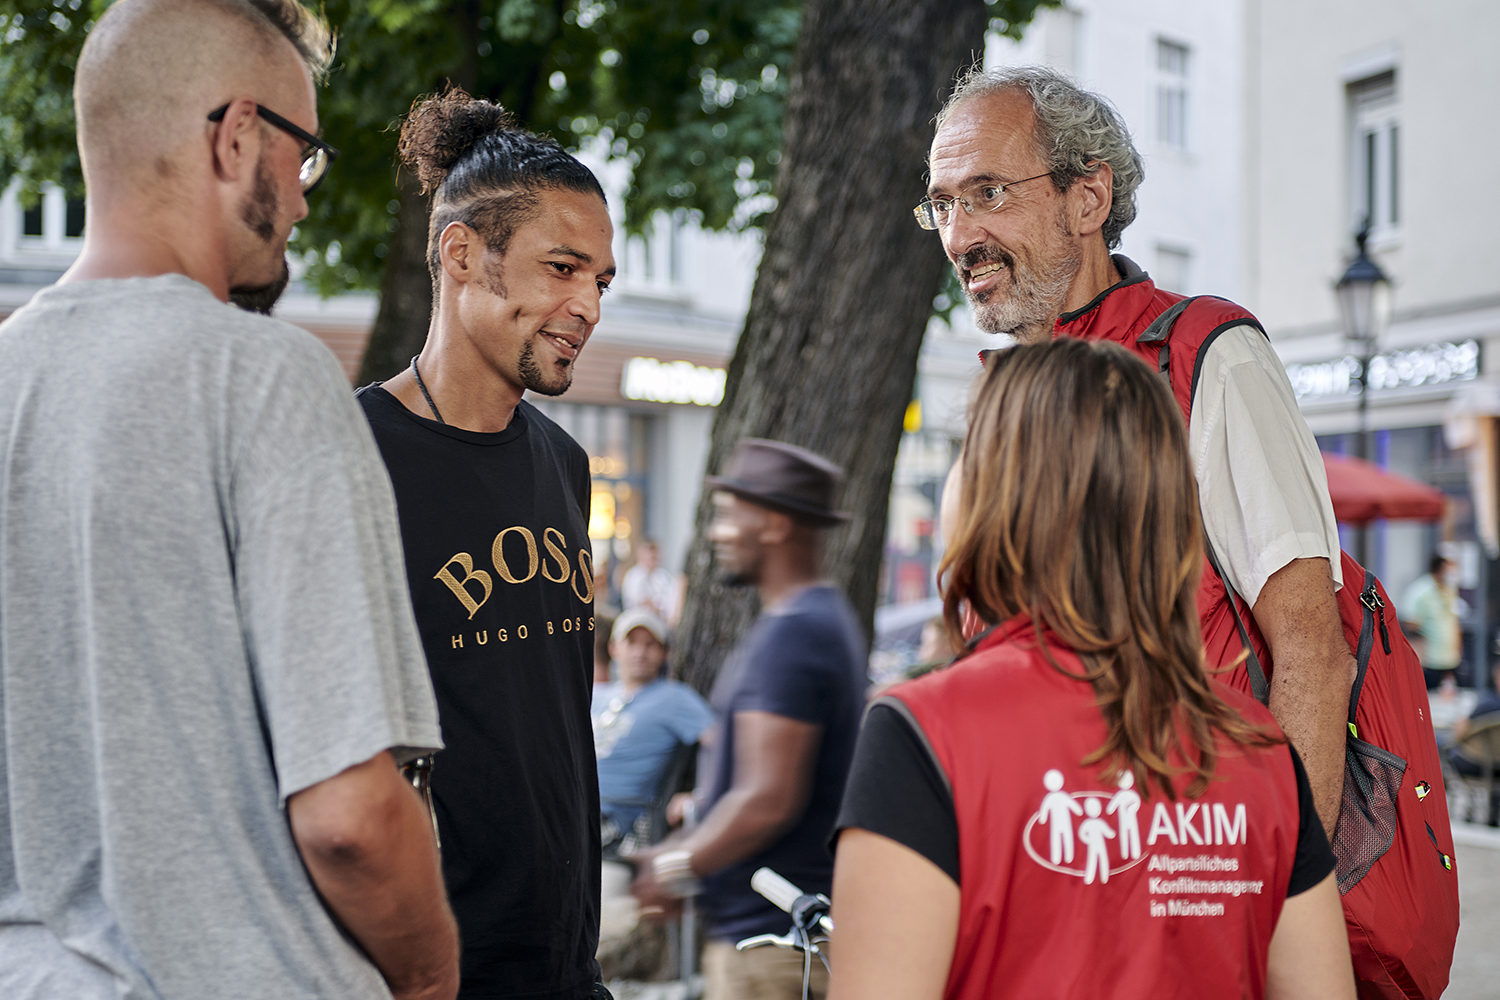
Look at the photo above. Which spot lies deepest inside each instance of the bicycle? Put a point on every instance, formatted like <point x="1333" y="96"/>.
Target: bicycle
<point x="811" y="925"/>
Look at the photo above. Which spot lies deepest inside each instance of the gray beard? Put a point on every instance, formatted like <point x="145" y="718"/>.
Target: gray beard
<point x="1037" y="293"/>
<point x="1035" y="301"/>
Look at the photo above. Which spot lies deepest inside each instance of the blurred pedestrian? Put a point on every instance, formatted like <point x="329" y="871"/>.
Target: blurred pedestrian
<point x="1032" y="182"/>
<point x="650" y="585"/>
<point x="1430" y="618"/>
<point x="1018" y="825"/>
<point x="640" y="721"/>
<point x="788" y="702"/>
<point x="208" y="663"/>
<point x="494" y="503"/>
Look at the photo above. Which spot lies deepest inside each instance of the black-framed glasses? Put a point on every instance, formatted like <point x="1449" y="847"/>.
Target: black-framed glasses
<point x="315" y="158"/>
<point x="986" y="196"/>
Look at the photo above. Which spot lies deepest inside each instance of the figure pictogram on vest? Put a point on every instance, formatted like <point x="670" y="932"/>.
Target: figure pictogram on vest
<point x="1057" y="811"/>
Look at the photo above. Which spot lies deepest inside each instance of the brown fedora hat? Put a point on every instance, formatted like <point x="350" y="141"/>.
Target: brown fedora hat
<point x="784" y="477"/>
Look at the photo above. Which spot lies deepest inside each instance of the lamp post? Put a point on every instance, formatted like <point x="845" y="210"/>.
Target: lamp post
<point x="1364" y="294"/>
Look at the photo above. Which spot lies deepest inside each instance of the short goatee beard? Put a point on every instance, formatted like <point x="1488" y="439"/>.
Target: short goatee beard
<point x="1035" y="298"/>
<point x="736" y="579"/>
<point x="533" y="379"/>
<point x="262" y="298"/>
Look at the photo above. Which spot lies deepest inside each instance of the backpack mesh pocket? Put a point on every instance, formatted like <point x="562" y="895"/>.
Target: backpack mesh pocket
<point x="1367" y="815"/>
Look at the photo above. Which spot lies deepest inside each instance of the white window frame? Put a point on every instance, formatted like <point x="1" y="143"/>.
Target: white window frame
<point x="53" y="242"/>
<point x="1173" y="63"/>
<point x="1374" y="157"/>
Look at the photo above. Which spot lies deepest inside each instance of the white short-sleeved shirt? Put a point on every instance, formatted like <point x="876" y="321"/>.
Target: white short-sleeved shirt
<point x="1262" y="486"/>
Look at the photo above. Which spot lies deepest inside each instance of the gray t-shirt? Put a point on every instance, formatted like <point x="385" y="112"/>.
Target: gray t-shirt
<point x="203" y="610"/>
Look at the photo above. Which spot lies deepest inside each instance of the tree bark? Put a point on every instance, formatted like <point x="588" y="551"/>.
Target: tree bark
<point x="828" y="355"/>
<point x="405" y="290"/>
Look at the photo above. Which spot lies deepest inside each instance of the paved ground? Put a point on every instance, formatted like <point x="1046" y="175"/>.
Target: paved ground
<point x="1476" y="961"/>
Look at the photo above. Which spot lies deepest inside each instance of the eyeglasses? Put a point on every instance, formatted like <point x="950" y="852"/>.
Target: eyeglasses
<point x="986" y="196"/>
<point x="315" y="158"/>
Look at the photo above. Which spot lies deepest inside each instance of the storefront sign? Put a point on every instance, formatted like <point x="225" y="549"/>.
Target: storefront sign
<point x="672" y="382"/>
<point x="1431" y="364"/>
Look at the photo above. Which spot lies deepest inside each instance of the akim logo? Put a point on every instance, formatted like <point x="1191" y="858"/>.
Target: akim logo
<point x="1058" y="848"/>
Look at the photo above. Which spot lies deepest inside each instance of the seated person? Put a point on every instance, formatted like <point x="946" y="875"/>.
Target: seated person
<point x="639" y="722"/>
<point x="1488" y="704"/>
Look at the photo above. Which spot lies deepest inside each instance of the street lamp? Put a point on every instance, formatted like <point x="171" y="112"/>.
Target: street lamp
<point x="1365" y="305"/>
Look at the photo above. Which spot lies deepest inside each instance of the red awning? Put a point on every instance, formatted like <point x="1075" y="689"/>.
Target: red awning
<point x="1362" y="492"/>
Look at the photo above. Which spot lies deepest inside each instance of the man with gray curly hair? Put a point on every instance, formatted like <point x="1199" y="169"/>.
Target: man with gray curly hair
<point x="1032" y="181"/>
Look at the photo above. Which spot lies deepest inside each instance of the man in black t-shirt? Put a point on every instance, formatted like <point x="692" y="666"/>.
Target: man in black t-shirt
<point x="494" y="499"/>
<point x="788" y="702"/>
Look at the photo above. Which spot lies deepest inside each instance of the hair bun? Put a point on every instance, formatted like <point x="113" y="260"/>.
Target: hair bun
<point x="441" y="129"/>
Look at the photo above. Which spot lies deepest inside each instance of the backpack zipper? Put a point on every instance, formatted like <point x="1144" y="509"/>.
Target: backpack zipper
<point x="1371" y="599"/>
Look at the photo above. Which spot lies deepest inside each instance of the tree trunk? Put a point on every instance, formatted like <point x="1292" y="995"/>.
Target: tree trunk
<point x="828" y="356"/>
<point x="405" y="290"/>
<point x="405" y="312"/>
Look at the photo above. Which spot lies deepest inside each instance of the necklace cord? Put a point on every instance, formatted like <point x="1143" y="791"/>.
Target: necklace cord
<point x="425" y="394"/>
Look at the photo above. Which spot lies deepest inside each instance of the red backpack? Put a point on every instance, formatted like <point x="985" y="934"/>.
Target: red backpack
<point x="1393" y="844"/>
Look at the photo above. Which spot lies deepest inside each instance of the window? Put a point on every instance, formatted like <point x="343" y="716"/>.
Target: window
<point x="73" y="218"/>
<point x="1375" y="155"/>
<point x="1172" y="94"/>
<point x="1173" y="271"/>
<point x="31" y="220"/>
<point x="52" y="223"/>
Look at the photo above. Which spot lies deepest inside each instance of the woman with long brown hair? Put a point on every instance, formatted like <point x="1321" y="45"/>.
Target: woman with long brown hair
<point x="1075" y="809"/>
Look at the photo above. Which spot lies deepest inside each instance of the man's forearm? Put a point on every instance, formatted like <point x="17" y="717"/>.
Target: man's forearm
<point x="369" y="849"/>
<point x="740" y="825"/>
<point x="1297" y="612"/>
<point x="1310" y="699"/>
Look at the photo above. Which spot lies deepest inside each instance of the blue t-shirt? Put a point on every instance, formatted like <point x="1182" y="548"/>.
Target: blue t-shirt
<point x="805" y="661"/>
<point x="635" y="741"/>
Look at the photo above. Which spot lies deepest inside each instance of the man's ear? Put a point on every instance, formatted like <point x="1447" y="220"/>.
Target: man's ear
<point x="1093" y="197"/>
<point x="459" y="252"/>
<point x="237" y="141"/>
<point x="776" y="528"/>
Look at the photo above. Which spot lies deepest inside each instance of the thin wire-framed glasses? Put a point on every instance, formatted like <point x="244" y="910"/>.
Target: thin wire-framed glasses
<point x="986" y="196"/>
<point x="315" y="158"/>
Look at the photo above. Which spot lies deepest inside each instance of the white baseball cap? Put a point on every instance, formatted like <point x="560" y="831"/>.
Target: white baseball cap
<point x="639" y="618"/>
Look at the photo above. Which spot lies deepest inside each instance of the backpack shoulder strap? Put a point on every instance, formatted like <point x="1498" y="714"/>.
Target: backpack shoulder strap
<point x="1160" y="331"/>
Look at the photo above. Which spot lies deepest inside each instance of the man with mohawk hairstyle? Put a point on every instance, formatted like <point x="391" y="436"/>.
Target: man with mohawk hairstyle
<point x="209" y="668"/>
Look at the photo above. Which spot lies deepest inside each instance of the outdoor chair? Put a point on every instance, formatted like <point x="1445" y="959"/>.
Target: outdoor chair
<point x="1480" y="745"/>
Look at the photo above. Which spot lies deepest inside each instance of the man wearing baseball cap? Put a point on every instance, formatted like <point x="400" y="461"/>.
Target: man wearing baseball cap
<point x="639" y="721"/>
<point x="788" y="702"/>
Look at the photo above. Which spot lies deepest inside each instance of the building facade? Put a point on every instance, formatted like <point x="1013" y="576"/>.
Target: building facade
<point x="1357" y="112"/>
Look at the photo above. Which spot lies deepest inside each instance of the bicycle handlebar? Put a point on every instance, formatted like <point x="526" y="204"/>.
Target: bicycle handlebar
<point x="775" y="888"/>
<point x="808" y="911"/>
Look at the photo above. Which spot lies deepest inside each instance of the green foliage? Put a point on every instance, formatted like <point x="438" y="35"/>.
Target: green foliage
<point x="39" y="43"/>
<point x="691" y="92"/>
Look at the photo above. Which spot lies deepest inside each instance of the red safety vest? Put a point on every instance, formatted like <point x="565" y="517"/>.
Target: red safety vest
<point x="1074" y="886"/>
<point x="1120" y="315"/>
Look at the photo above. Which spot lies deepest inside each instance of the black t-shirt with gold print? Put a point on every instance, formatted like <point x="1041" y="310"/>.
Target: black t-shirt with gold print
<point x="501" y="576"/>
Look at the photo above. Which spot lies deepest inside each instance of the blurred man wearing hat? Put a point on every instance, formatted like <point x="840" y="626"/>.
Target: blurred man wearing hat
<point x="788" y="702"/>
